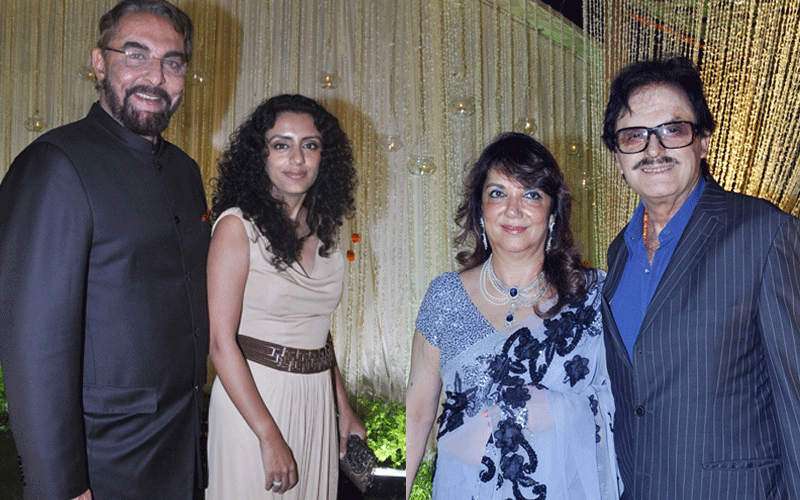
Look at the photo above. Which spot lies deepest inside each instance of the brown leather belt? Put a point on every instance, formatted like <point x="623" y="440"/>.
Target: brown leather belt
<point x="287" y="359"/>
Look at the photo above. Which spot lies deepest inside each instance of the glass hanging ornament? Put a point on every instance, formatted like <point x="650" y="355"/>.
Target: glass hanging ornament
<point x="421" y="165"/>
<point x="526" y="125"/>
<point x="329" y="80"/>
<point x="86" y="72"/>
<point x="35" y="123"/>
<point x="198" y="78"/>
<point x="392" y="142"/>
<point x="463" y="106"/>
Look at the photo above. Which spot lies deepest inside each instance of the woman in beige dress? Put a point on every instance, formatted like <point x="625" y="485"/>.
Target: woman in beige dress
<point x="275" y="276"/>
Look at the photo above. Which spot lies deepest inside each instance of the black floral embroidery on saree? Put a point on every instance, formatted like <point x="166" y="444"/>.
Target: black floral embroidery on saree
<point x="456" y="403"/>
<point x="523" y="362"/>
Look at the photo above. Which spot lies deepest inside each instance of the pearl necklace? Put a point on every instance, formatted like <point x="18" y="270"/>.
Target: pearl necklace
<point x="509" y="295"/>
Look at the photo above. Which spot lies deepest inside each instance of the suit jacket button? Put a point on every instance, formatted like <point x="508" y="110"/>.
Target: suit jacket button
<point x="639" y="411"/>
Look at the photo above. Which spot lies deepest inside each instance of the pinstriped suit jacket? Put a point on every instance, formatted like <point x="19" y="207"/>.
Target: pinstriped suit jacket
<point x="710" y="406"/>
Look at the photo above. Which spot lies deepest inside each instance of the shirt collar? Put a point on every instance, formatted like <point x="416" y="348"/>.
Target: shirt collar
<point x="675" y="226"/>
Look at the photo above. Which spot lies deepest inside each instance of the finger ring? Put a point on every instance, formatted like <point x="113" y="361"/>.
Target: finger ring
<point x="277" y="483"/>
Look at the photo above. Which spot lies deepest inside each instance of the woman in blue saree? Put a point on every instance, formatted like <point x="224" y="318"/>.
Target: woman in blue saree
<point x="515" y="339"/>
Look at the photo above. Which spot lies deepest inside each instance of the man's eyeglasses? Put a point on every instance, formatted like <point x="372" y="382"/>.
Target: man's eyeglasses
<point x="141" y="59"/>
<point x="671" y="135"/>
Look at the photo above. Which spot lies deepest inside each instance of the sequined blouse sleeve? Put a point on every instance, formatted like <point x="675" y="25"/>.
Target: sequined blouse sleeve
<point x="449" y="319"/>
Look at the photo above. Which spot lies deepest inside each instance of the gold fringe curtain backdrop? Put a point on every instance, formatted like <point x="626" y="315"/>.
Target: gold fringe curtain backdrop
<point x="420" y="82"/>
<point x="746" y="52"/>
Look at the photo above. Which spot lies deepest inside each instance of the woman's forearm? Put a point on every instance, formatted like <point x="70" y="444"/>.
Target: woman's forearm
<point x="236" y="377"/>
<point x="422" y="400"/>
<point x="419" y="423"/>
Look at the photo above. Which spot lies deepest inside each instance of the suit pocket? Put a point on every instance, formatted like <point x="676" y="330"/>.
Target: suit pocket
<point x="119" y="400"/>
<point x="755" y="463"/>
<point x="751" y="479"/>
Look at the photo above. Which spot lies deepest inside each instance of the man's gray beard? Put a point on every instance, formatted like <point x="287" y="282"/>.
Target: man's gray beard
<point x="152" y="124"/>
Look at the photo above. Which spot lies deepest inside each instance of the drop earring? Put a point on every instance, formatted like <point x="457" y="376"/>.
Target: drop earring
<point x="550" y="237"/>
<point x="483" y="235"/>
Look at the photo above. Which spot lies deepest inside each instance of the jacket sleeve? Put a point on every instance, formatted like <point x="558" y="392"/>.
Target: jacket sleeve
<point x="779" y="322"/>
<point x="45" y="239"/>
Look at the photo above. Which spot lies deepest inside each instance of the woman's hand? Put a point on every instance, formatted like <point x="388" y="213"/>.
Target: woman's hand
<point x="349" y="424"/>
<point x="280" y="469"/>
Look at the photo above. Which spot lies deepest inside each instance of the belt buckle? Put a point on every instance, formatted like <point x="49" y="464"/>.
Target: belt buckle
<point x="277" y="354"/>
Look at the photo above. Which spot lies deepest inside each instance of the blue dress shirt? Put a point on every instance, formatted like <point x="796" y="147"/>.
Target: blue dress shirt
<point x="639" y="278"/>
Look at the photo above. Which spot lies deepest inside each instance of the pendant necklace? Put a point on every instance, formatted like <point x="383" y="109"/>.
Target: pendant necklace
<point x="513" y="296"/>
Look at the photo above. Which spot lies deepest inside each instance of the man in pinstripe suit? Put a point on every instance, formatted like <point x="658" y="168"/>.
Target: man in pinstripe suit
<point x="701" y="308"/>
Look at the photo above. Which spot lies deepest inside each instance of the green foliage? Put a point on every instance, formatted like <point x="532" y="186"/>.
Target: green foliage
<point x="423" y="484"/>
<point x="3" y="405"/>
<point x="385" y="421"/>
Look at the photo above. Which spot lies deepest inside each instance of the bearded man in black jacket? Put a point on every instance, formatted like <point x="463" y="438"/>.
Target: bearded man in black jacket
<point x="104" y="321"/>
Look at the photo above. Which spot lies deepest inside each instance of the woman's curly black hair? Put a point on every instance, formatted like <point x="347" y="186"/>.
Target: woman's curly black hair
<point x="523" y="158"/>
<point x="243" y="181"/>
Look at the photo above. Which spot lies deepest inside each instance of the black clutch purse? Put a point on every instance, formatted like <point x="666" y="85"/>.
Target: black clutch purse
<point x="358" y="462"/>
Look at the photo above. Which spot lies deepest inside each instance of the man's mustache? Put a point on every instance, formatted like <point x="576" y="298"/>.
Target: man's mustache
<point x="647" y="162"/>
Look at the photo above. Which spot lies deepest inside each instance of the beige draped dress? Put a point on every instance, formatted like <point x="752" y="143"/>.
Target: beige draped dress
<point x="290" y="308"/>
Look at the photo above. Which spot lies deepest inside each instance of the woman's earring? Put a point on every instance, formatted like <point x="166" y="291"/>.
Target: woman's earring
<point x="550" y="232"/>
<point x="483" y="235"/>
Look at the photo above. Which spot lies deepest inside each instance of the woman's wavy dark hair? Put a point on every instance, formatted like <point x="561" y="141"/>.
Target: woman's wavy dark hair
<point x="243" y="181"/>
<point x="523" y="158"/>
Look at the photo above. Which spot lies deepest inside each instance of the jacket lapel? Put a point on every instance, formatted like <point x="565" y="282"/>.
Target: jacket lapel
<point x="617" y="257"/>
<point x="706" y="222"/>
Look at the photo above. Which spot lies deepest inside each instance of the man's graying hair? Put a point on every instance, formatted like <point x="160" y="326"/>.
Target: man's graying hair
<point x="180" y="21"/>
